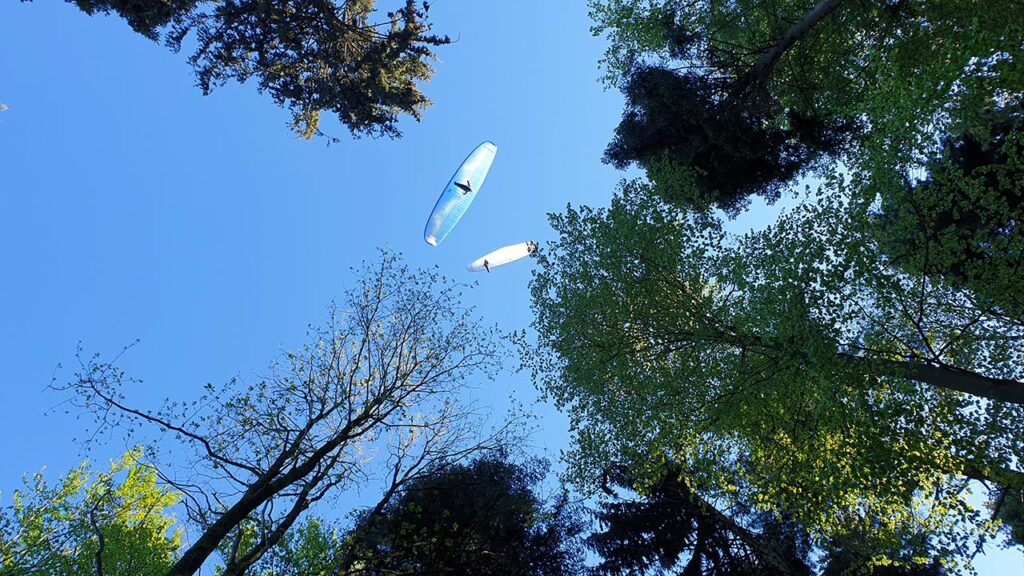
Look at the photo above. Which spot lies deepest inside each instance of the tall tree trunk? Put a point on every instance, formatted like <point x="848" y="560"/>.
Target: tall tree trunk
<point x="259" y="492"/>
<point x="763" y="67"/>
<point x="767" y="554"/>
<point x="193" y="558"/>
<point x="998" y="389"/>
<point x="239" y="566"/>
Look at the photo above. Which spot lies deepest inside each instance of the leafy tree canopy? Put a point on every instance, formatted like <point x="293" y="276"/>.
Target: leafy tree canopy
<point x="860" y="398"/>
<point x="311" y="56"/>
<point x="313" y="546"/>
<point x="962" y="222"/>
<point x="778" y="85"/>
<point x="114" y="523"/>
<point x="485" y="517"/>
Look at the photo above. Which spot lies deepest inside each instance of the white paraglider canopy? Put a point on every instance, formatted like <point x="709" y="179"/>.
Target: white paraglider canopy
<point x="502" y="256"/>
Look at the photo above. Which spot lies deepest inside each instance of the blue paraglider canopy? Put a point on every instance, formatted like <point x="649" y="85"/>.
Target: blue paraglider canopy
<point x="459" y="193"/>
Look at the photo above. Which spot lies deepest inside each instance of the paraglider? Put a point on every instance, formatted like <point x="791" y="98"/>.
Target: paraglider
<point x="502" y="256"/>
<point x="459" y="193"/>
<point x="455" y="200"/>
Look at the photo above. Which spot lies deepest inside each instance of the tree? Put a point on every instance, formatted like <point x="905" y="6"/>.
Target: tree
<point x="673" y="530"/>
<point x="313" y="546"/>
<point x="147" y="17"/>
<point x="844" y="561"/>
<point x="476" y="518"/>
<point x="961" y="223"/>
<point x="863" y="399"/>
<point x="1008" y="507"/>
<point x="311" y="56"/>
<point x="667" y="528"/>
<point x="725" y="100"/>
<point x="376" y="389"/>
<point x="114" y="523"/>
<point x="703" y="152"/>
<point x="861" y="356"/>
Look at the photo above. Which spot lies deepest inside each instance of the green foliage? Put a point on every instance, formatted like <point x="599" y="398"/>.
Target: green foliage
<point x="310" y="56"/>
<point x="482" y="518"/>
<point x="146" y="17"/>
<point x="852" y="561"/>
<point x="795" y="350"/>
<point x="311" y="548"/>
<point x="854" y="365"/>
<point x="1008" y="507"/>
<point x="962" y="224"/>
<point x="729" y="150"/>
<point x="114" y="523"/>
<point x="905" y="71"/>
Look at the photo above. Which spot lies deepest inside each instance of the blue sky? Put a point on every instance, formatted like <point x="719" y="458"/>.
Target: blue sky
<point x="132" y="207"/>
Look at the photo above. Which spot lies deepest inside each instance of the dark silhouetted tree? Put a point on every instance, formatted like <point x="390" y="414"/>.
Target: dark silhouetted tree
<point x="703" y="152"/>
<point x="729" y="100"/>
<point x="147" y="17"/>
<point x="485" y="517"/>
<point x="964" y="221"/>
<point x="1007" y="506"/>
<point x="716" y="139"/>
<point x="672" y="530"/>
<point x="339" y="56"/>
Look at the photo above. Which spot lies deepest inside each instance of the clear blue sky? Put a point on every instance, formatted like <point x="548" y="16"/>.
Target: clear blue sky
<point x="133" y="207"/>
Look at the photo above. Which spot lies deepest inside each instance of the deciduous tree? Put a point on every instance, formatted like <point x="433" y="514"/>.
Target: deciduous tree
<point x="845" y="383"/>
<point x="374" y="395"/>
<point x="726" y="100"/>
<point x="114" y="523"/>
<point x="313" y="546"/>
